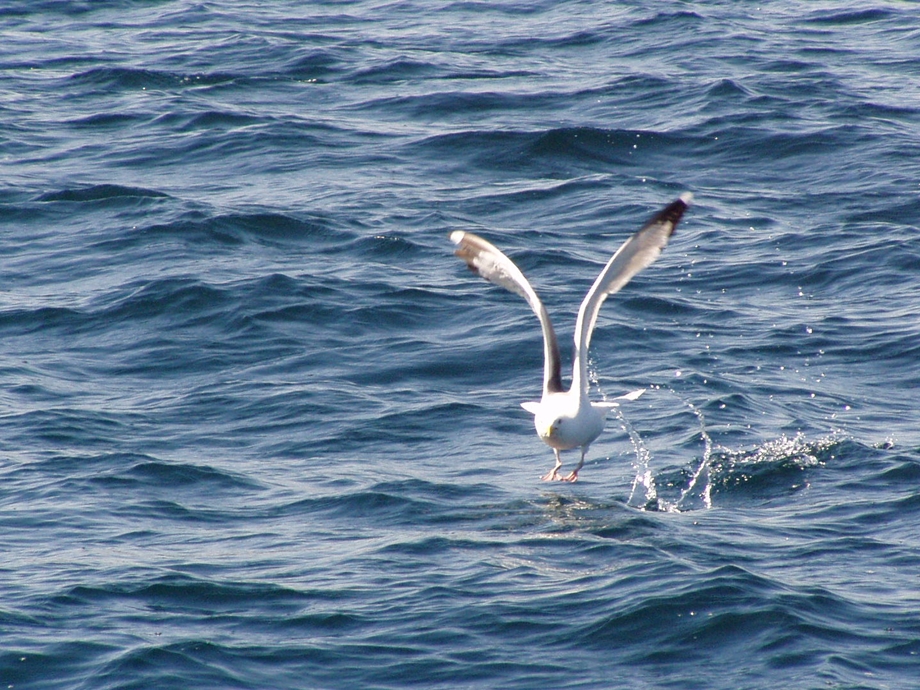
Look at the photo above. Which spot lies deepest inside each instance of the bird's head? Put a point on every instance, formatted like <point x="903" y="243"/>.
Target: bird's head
<point x="551" y="427"/>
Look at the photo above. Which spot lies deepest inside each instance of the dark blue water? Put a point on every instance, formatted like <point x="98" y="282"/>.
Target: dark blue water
<point x="260" y="429"/>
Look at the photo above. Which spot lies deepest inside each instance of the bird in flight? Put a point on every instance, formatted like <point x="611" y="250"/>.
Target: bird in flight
<point x="567" y="419"/>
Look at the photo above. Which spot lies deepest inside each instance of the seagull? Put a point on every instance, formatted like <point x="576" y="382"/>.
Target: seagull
<point x="567" y="419"/>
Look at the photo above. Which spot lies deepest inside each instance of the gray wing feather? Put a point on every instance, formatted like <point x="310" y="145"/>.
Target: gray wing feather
<point x="488" y="261"/>
<point x="637" y="252"/>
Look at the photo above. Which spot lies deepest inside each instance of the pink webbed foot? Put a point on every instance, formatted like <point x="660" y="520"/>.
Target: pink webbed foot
<point x="573" y="475"/>
<point x="553" y="474"/>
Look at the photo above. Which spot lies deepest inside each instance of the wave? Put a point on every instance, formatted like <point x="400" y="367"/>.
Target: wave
<point x="102" y="192"/>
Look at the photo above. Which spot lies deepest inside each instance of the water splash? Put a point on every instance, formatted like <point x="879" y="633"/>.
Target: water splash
<point x="698" y="490"/>
<point x="776" y="458"/>
<point x="718" y="469"/>
<point x="644" y="480"/>
<point x="770" y="466"/>
<point x="702" y="470"/>
<point x="643" y="494"/>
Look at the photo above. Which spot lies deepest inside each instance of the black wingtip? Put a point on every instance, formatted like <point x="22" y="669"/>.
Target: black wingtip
<point x="673" y="212"/>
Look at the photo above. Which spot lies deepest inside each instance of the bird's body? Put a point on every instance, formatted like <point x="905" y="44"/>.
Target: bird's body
<point x="567" y="419"/>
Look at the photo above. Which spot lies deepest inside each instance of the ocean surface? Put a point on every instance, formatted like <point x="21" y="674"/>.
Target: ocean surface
<point x="260" y="429"/>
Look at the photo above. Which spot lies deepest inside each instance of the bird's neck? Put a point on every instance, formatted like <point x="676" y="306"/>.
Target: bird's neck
<point x="579" y="376"/>
<point x="577" y="394"/>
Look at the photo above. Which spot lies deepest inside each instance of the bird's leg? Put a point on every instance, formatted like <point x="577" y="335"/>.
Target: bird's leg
<point x="573" y="475"/>
<point x="553" y="473"/>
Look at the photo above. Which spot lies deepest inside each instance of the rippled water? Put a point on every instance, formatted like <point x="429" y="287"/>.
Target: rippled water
<point x="260" y="429"/>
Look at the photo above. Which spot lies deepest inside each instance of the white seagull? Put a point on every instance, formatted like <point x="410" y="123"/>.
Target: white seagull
<point x="567" y="419"/>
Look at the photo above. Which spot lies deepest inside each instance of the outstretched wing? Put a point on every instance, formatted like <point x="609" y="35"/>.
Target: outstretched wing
<point x="637" y="252"/>
<point x="488" y="261"/>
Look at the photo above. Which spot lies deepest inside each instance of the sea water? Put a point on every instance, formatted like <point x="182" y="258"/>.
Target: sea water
<point x="260" y="429"/>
